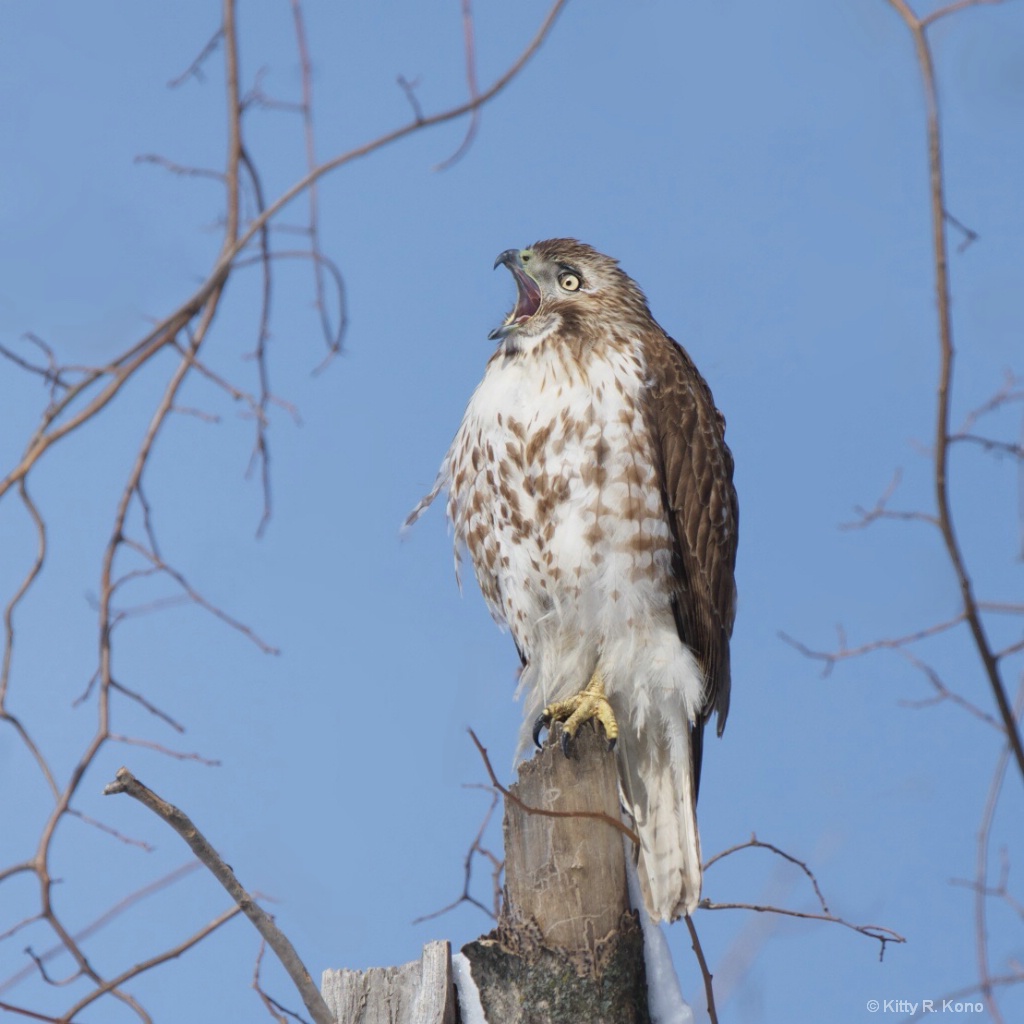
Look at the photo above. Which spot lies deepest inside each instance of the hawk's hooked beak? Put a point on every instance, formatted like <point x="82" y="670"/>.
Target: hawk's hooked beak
<point x="527" y="299"/>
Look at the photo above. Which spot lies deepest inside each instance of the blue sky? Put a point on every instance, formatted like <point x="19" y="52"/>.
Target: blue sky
<point x="760" y="171"/>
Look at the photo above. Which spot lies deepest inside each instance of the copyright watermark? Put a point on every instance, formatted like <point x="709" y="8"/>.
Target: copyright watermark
<point x="909" y="1006"/>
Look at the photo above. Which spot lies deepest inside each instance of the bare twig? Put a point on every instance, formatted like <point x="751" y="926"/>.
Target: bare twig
<point x="754" y="843"/>
<point x="872" y="931"/>
<point x="918" y="29"/>
<point x="125" y="782"/>
<point x="145" y="965"/>
<point x="195" y="69"/>
<point x="469" y="44"/>
<point x="32" y="1015"/>
<point x="881" y="510"/>
<point x="844" y="653"/>
<point x="705" y="972"/>
<point x="877" y="932"/>
<point x="510" y="796"/>
<point x="476" y="848"/>
<point x="272" y="1006"/>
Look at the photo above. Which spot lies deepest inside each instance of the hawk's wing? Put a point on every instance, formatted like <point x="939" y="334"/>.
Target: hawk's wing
<point x="696" y="469"/>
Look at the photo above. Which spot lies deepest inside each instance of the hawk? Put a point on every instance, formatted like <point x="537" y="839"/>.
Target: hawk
<point x="592" y="486"/>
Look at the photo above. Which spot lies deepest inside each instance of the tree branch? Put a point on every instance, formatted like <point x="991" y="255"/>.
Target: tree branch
<point x="125" y="782"/>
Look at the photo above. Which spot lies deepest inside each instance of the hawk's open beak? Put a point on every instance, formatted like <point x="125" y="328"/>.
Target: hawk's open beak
<point x="527" y="299"/>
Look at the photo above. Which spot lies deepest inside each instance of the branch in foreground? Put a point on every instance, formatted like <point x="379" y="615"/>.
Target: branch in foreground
<point x="125" y="782"/>
<point x="544" y="812"/>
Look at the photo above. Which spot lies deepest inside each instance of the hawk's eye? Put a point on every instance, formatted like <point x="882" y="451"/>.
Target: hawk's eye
<point x="570" y="282"/>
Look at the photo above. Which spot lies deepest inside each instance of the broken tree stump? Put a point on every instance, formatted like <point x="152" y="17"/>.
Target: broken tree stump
<point x="420" y="992"/>
<point x="567" y="947"/>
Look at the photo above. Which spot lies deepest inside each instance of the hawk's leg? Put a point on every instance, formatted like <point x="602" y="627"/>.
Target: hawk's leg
<point x="590" y="702"/>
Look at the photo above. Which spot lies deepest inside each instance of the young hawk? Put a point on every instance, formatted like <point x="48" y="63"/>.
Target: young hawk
<point x="591" y="483"/>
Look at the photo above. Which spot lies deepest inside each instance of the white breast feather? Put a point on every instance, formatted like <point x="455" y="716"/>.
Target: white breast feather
<point x="586" y="575"/>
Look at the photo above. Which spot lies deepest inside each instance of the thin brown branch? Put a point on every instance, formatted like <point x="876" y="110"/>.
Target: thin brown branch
<point x="409" y="88"/>
<point x="990" y="444"/>
<point x="981" y="874"/>
<point x="332" y="337"/>
<point x="154" y="961"/>
<point x="147" y="704"/>
<point x="1011" y="391"/>
<point x="753" y="843"/>
<point x="178" y="755"/>
<point x="844" y="653"/>
<point x="918" y="29"/>
<point x="195" y="69"/>
<point x="944" y="693"/>
<point x="476" y="848"/>
<point x="970" y="235"/>
<point x="509" y="795"/>
<point x="705" y="972"/>
<point x="125" y="782"/>
<point x="268" y="1003"/>
<point x="997" y="981"/>
<point x="469" y="45"/>
<point x="180" y="170"/>
<point x="881" y="510"/>
<point x="272" y="1006"/>
<point x="32" y="1015"/>
<point x="51" y="373"/>
<point x="198" y="598"/>
<point x="953" y="8"/>
<point x="261" y="444"/>
<point x="108" y="830"/>
<point x="17" y="927"/>
<point x="878" y="932"/>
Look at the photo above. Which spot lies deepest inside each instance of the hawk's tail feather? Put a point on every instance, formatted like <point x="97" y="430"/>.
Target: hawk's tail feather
<point x="658" y="790"/>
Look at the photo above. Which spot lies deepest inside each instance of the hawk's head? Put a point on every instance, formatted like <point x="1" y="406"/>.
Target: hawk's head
<point x="562" y="284"/>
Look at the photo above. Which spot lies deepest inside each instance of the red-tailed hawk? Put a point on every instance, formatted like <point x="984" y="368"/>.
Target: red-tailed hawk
<point x="591" y="483"/>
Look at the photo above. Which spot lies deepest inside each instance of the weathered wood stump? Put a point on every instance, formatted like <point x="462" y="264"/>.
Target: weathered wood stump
<point x="420" y="992"/>
<point x="567" y="948"/>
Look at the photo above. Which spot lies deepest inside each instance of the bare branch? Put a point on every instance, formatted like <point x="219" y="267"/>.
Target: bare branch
<point x="469" y="44"/>
<point x="121" y="838"/>
<point x="32" y="1015"/>
<point x="195" y="69"/>
<point x="705" y="972"/>
<point x="865" y="517"/>
<point x="872" y="931"/>
<point x="273" y="1007"/>
<point x="844" y="653"/>
<point x="754" y="843"/>
<point x="154" y="961"/>
<point x="509" y="795"/>
<point x="476" y="848"/>
<point x="127" y="783"/>
<point x="166" y="751"/>
<point x="990" y="664"/>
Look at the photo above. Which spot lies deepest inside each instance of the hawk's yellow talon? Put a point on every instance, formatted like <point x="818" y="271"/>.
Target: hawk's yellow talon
<point x="589" y="703"/>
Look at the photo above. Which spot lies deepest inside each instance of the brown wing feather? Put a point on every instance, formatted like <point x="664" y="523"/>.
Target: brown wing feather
<point x="696" y="471"/>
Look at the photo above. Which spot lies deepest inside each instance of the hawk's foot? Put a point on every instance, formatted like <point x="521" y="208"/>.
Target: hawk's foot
<point x="589" y="703"/>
